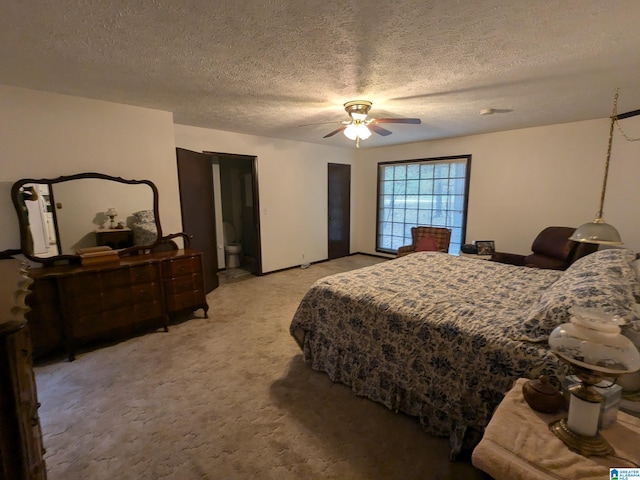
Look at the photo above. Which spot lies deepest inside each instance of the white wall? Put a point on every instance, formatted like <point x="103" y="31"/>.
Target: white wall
<point x="524" y="180"/>
<point x="521" y="180"/>
<point x="45" y="135"/>
<point x="292" y="178"/>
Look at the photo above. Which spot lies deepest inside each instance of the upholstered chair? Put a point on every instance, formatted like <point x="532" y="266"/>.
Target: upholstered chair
<point x="551" y="249"/>
<point x="427" y="239"/>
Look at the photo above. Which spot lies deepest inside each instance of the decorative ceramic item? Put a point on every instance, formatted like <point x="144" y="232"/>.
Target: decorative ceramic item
<point x="542" y="396"/>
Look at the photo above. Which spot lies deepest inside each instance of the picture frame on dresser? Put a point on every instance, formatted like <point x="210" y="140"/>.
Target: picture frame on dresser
<point x="485" y="247"/>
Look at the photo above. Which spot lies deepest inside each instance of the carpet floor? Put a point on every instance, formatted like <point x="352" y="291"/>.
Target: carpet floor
<point x="227" y="397"/>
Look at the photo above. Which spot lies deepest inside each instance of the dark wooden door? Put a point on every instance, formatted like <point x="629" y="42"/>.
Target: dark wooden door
<point x="195" y="178"/>
<point x="339" y="210"/>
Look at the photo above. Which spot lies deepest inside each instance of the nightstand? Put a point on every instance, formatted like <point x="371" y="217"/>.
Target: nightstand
<point x="517" y="444"/>
<point x="114" y="237"/>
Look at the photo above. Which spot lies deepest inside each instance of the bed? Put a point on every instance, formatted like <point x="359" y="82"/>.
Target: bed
<point x="443" y="338"/>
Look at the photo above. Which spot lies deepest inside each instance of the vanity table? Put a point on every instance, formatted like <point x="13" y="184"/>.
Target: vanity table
<point x="136" y="292"/>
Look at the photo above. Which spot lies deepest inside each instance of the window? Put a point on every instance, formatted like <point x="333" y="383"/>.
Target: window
<point x="429" y="192"/>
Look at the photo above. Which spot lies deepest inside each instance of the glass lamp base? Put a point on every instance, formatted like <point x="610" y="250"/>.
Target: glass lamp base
<point x="582" y="444"/>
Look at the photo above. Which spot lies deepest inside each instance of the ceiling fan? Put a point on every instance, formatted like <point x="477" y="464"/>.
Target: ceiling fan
<point x="360" y="128"/>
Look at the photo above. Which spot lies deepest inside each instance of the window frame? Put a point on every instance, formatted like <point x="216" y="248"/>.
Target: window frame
<point x="445" y="159"/>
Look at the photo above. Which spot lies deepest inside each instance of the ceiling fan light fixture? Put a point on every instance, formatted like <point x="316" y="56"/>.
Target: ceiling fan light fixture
<point x="351" y="132"/>
<point x="358" y="109"/>
<point x="357" y="130"/>
<point x="363" y="131"/>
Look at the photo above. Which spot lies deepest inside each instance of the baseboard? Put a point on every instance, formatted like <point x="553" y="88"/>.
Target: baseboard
<point x="324" y="260"/>
<point x="373" y="255"/>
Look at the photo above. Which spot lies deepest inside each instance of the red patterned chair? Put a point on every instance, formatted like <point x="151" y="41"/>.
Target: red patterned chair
<point x="427" y="239"/>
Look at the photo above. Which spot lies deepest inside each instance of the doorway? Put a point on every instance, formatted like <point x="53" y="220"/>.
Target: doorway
<point x="237" y="218"/>
<point x="219" y="188"/>
<point x="339" y="208"/>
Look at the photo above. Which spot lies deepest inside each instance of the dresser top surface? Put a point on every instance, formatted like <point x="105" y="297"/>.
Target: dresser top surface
<point x="124" y="262"/>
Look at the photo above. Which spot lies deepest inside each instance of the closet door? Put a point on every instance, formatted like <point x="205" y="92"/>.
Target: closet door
<point x="195" y="178"/>
<point x="339" y="208"/>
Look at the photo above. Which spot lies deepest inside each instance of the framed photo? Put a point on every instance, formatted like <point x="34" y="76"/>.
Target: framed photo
<point x="485" y="247"/>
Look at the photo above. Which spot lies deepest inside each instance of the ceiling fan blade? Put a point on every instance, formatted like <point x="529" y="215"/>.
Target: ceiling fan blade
<point x="337" y="130"/>
<point x="319" y="123"/>
<point x="414" y="121"/>
<point x="379" y="130"/>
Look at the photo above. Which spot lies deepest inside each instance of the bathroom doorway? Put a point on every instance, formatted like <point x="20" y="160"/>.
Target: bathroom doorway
<point x="237" y="219"/>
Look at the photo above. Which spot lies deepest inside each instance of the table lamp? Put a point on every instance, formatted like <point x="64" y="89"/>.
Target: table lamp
<point x="111" y="213"/>
<point x="591" y="343"/>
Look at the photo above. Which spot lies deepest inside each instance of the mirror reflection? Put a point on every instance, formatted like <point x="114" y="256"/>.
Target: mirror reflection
<point x="37" y="214"/>
<point x="59" y="217"/>
<point x="82" y="210"/>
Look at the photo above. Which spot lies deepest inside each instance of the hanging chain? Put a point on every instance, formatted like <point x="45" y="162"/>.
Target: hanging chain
<point x="614" y="121"/>
<point x="615" y="116"/>
<point x="606" y="163"/>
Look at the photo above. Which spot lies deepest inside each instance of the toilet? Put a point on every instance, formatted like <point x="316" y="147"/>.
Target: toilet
<point x="232" y="249"/>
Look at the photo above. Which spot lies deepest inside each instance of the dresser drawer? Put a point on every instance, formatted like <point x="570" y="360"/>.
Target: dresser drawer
<point x="113" y="279"/>
<point x="186" y="283"/>
<point x="146" y="292"/>
<point x="74" y="304"/>
<point x="182" y="266"/>
<point x="98" y="326"/>
<point x="185" y="300"/>
<point x="44" y="318"/>
<point x="148" y="310"/>
<point x="144" y="273"/>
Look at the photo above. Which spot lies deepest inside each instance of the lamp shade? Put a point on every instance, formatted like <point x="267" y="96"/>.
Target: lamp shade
<point x="597" y="232"/>
<point x="351" y="132"/>
<point x="357" y="130"/>
<point x="111" y="212"/>
<point x="363" y="131"/>
<point x="592" y="340"/>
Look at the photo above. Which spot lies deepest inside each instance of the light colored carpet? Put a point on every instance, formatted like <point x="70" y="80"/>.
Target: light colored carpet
<point x="227" y="397"/>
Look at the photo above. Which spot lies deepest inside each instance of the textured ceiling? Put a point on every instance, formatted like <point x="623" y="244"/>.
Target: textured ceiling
<point x="265" y="67"/>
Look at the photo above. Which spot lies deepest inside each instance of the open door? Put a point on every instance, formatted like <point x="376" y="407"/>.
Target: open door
<point x="339" y="208"/>
<point x="197" y="206"/>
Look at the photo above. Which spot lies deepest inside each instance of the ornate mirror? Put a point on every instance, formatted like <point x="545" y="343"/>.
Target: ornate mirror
<point x="60" y="216"/>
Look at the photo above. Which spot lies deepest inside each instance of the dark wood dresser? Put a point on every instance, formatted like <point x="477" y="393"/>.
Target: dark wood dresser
<point x="21" y="446"/>
<point x="73" y="305"/>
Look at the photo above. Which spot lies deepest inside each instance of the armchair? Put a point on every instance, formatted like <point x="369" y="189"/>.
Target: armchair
<point x="551" y="249"/>
<point x="439" y="239"/>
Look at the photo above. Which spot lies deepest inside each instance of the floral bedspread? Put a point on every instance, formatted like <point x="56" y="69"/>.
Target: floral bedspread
<point x="428" y="334"/>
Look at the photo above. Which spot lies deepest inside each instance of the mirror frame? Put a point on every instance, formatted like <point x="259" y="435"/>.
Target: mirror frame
<point x="65" y="178"/>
